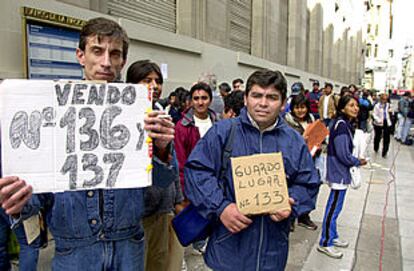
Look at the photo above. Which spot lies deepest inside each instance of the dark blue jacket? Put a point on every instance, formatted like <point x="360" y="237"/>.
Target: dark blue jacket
<point x="264" y="244"/>
<point x="340" y="158"/>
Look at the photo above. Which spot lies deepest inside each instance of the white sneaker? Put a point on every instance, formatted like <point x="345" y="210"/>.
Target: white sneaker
<point x="330" y="251"/>
<point x="184" y="266"/>
<point x="199" y="251"/>
<point x="340" y="243"/>
<point x="196" y="252"/>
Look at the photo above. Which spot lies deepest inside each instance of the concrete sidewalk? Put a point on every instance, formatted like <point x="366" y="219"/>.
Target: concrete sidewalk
<point x="349" y="223"/>
<point x="368" y="217"/>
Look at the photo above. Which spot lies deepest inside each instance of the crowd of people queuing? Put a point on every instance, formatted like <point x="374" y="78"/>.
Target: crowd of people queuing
<point x="130" y="229"/>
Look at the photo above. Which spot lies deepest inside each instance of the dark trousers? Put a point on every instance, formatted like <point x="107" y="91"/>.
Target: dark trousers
<point x="384" y="133"/>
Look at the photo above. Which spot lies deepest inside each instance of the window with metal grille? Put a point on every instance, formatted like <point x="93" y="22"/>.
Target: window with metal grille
<point x="240" y="25"/>
<point x="157" y="13"/>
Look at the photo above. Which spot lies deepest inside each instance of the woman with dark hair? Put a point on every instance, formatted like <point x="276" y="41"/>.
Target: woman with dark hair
<point x="162" y="250"/>
<point x="146" y="72"/>
<point x="338" y="176"/>
<point x="298" y="118"/>
<point x="299" y="115"/>
<point x="179" y="104"/>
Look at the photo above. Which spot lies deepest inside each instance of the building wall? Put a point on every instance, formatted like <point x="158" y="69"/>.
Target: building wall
<point x="297" y="42"/>
<point x="327" y="52"/>
<point x="315" y="40"/>
<point x="270" y="30"/>
<point x="201" y="43"/>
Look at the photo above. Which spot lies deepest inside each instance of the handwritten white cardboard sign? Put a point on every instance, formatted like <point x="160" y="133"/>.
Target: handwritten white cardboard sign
<point x="62" y="136"/>
<point x="260" y="183"/>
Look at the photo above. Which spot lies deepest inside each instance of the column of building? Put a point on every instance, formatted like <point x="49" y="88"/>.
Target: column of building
<point x="296" y="56"/>
<point x="315" y="55"/>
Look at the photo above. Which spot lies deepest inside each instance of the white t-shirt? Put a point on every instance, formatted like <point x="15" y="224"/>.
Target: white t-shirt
<point x="325" y="106"/>
<point x="203" y="125"/>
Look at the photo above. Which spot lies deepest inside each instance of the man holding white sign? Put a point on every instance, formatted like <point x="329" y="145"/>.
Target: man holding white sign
<point x="96" y="229"/>
<point x="258" y="242"/>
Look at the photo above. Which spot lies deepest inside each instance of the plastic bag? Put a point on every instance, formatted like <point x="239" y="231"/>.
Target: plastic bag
<point x="356" y="177"/>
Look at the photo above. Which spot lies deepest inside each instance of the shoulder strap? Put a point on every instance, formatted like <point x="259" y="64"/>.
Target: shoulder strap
<point x="337" y="123"/>
<point x="227" y="150"/>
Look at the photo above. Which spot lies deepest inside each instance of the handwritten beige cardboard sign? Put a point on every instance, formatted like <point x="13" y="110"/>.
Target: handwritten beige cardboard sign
<point x="260" y="183"/>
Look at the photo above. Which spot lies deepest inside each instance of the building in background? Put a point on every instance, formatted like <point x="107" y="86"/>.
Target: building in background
<point x="305" y="39"/>
<point x="382" y="66"/>
<point x="408" y="68"/>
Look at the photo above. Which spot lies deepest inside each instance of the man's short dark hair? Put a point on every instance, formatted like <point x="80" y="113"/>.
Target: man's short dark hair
<point x="345" y="91"/>
<point x="266" y="78"/>
<point x="172" y="94"/>
<point x="201" y="86"/>
<point x="182" y="96"/>
<point x="237" y="80"/>
<point x="139" y="70"/>
<point x="102" y="27"/>
<point x="354" y="86"/>
<point x="329" y="85"/>
<point x="225" y="87"/>
<point x="234" y="101"/>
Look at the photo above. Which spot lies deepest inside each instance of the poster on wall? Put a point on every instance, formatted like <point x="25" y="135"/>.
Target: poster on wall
<point x="51" y="52"/>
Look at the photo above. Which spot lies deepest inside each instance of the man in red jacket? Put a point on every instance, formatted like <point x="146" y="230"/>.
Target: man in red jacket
<point x="194" y="124"/>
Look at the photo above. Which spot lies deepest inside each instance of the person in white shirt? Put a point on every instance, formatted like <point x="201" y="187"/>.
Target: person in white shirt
<point x="327" y="104"/>
<point x="382" y="124"/>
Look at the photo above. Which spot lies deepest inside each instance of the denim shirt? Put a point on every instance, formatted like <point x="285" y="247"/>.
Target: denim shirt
<point x="80" y="218"/>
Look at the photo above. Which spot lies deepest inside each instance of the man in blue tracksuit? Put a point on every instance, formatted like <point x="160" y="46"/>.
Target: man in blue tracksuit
<point x="97" y="229"/>
<point x="255" y="242"/>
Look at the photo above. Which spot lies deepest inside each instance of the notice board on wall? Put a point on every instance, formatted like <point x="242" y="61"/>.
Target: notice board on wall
<point x="50" y="44"/>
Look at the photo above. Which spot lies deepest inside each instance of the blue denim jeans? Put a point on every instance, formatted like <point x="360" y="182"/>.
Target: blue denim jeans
<point x="406" y="129"/>
<point x="122" y="255"/>
<point x="400" y="126"/>
<point x="29" y="254"/>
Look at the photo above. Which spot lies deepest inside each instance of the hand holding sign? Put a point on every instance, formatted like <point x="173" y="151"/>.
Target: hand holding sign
<point x="233" y="219"/>
<point x="14" y="194"/>
<point x="160" y="127"/>
<point x="283" y="214"/>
